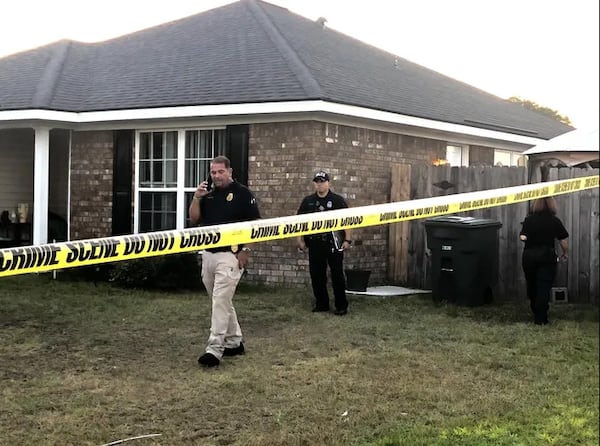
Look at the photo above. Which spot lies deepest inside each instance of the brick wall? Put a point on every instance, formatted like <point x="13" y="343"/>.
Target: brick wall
<point x="91" y="184"/>
<point x="283" y="158"/>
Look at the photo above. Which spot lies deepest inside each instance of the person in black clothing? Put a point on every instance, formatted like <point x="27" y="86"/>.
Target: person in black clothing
<point x="322" y="249"/>
<point x="222" y="268"/>
<point x="539" y="231"/>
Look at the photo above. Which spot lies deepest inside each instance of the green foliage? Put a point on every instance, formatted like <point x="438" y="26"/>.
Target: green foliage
<point x="91" y="273"/>
<point x="531" y="105"/>
<point x="554" y="425"/>
<point x="177" y="271"/>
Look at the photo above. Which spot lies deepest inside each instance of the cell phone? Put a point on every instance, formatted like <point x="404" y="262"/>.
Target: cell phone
<point x="209" y="183"/>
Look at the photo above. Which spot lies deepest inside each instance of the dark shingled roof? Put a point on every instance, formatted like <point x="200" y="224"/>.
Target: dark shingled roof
<point x="248" y="51"/>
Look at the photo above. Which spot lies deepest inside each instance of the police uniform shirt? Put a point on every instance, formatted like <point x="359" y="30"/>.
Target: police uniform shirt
<point x="541" y="229"/>
<point x="314" y="203"/>
<point x="228" y="205"/>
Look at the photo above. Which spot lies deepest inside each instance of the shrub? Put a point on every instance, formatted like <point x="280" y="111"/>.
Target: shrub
<point x="175" y="271"/>
<point x="91" y="273"/>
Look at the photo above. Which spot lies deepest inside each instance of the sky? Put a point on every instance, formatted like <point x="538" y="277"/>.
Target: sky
<point x="544" y="51"/>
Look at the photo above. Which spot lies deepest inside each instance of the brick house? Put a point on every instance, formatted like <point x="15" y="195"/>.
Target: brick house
<point x="114" y="136"/>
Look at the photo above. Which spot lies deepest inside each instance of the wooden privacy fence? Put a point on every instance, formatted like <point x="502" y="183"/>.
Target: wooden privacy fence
<point x="409" y="260"/>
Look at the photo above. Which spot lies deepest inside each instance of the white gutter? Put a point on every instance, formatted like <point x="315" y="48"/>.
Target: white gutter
<point x="262" y="108"/>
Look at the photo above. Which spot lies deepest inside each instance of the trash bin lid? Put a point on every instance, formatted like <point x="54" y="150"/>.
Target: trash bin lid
<point x="457" y="221"/>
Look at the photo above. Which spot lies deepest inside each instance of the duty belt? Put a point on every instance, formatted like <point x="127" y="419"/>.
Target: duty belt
<point x="220" y="249"/>
<point x="319" y="237"/>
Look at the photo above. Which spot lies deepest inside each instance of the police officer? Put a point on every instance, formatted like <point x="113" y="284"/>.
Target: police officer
<point x="226" y="202"/>
<point x="540" y="230"/>
<point x="323" y="250"/>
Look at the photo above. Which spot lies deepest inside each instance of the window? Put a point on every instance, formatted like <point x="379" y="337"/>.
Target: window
<point x="506" y="158"/>
<point x="158" y="159"/>
<point x="201" y="146"/>
<point x="457" y="155"/>
<point x="158" y="211"/>
<point x="170" y="166"/>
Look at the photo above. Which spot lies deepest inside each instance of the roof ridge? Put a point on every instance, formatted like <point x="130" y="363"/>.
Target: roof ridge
<point x="303" y="74"/>
<point x="47" y="84"/>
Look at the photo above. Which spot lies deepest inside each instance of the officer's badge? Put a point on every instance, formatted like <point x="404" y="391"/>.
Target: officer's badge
<point x="229" y="196"/>
<point x="329" y="204"/>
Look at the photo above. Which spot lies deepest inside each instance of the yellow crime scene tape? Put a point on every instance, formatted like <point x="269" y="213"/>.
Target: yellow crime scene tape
<point x="40" y="258"/>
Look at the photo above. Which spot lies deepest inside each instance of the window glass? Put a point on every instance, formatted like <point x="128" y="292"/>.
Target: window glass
<point x="145" y="146"/>
<point x="205" y="145"/>
<point x="145" y="221"/>
<point x="145" y="201"/>
<point x="158" y="173"/>
<point x="191" y="172"/>
<point x="171" y="145"/>
<point x="454" y="155"/>
<point x="219" y="142"/>
<point x="188" y="200"/>
<point x="158" y="211"/>
<point x="191" y="144"/>
<point x="201" y="147"/>
<point x="507" y="158"/>
<point x="171" y="173"/>
<point x="157" y="145"/>
<point x="145" y="174"/>
<point x="158" y="160"/>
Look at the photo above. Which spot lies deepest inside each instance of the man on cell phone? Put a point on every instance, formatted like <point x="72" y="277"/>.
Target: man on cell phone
<point x="227" y="201"/>
<point x="326" y="248"/>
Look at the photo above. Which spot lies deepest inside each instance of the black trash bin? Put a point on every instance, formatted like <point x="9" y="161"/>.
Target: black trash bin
<point x="464" y="258"/>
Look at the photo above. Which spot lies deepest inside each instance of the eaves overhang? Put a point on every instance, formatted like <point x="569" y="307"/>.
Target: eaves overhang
<point x="260" y="112"/>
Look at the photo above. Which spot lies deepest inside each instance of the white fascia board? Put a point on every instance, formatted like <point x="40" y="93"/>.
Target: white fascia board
<point x="366" y="113"/>
<point x="251" y="111"/>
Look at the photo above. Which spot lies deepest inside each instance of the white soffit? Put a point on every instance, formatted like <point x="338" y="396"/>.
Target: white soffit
<point x="83" y="119"/>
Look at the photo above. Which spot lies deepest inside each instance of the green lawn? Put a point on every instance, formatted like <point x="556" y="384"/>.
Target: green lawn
<point x="85" y="364"/>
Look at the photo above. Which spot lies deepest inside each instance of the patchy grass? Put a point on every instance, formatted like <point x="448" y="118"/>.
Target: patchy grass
<point x="82" y="364"/>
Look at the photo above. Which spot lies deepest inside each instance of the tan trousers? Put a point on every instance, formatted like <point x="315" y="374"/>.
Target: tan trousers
<point x="220" y="275"/>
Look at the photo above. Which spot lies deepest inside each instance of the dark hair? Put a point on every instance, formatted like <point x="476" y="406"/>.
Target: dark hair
<point x="221" y="160"/>
<point x="545" y="204"/>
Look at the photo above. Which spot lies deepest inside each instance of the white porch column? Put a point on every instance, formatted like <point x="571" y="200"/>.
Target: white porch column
<point x="181" y="210"/>
<point x="41" y="169"/>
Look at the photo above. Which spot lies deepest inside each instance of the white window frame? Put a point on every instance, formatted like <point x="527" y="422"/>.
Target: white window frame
<point x="464" y="155"/>
<point x="180" y="189"/>
<point x="515" y="158"/>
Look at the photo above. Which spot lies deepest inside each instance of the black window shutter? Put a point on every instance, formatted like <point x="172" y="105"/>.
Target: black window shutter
<point x="122" y="173"/>
<point x="237" y="137"/>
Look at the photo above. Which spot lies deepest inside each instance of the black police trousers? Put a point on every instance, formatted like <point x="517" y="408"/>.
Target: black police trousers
<point x="321" y="254"/>
<point x="539" y="278"/>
